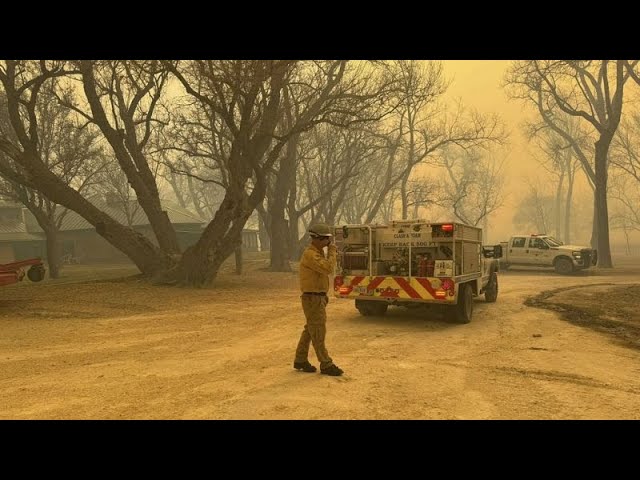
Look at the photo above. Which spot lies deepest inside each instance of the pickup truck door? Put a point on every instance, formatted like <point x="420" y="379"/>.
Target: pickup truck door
<point x="518" y="251"/>
<point x="541" y="254"/>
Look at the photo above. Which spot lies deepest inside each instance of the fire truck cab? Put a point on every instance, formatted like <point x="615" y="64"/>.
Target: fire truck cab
<point x="415" y="262"/>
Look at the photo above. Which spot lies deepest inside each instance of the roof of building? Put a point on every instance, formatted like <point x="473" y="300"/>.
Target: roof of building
<point x="12" y="226"/>
<point x="73" y="221"/>
<point x="19" y="237"/>
<point x="15" y="230"/>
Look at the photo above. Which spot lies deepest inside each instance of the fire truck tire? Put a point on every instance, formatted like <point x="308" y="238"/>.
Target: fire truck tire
<point x="36" y="273"/>
<point x="368" y="308"/>
<point x="464" y="307"/>
<point x="491" y="292"/>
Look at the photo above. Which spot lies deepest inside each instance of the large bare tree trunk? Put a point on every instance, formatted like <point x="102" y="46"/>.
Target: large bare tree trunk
<point x="567" y="211"/>
<point x="263" y="233"/>
<point x="403" y="197"/>
<point x="279" y="231"/>
<point x="238" y="255"/>
<point x="627" y="247"/>
<point x="604" y="248"/>
<point x="286" y="176"/>
<point x="558" y="206"/>
<point x="280" y="245"/>
<point x="295" y="245"/>
<point x="53" y="253"/>
<point x="200" y="263"/>
<point x="594" y="224"/>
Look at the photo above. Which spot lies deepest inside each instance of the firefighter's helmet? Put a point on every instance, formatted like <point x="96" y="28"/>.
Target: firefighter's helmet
<point x="320" y="230"/>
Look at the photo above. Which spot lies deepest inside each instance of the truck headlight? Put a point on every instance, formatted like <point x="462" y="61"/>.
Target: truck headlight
<point x="576" y="254"/>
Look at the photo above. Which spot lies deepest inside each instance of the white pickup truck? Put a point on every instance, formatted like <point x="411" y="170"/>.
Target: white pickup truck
<point x="545" y="251"/>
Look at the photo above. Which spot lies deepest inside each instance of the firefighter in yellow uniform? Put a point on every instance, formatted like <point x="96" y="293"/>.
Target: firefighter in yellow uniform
<point x="314" y="284"/>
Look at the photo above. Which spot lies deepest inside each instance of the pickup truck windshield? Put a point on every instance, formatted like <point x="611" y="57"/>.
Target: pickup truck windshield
<point x="553" y="242"/>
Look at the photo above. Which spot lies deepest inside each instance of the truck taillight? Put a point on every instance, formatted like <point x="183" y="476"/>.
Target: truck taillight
<point x="448" y="227"/>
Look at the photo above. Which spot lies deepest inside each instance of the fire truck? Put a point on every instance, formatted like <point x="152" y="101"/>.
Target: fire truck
<point x="414" y="263"/>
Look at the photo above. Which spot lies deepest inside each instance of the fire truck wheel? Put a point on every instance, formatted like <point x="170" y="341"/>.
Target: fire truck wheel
<point x="36" y="273"/>
<point x="491" y="292"/>
<point x="464" y="307"/>
<point x="368" y="308"/>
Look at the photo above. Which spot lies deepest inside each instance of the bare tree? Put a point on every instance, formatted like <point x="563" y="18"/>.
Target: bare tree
<point x="473" y="186"/>
<point x="466" y="130"/>
<point x="625" y="177"/>
<point x="633" y="69"/>
<point x="362" y="190"/>
<point x="561" y="162"/>
<point x="421" y="86"/>
<point x="327" y="177"/>
<point x="535" y="210"/>
<point x="625" y="150"/>
<point x="246" y="97"/>
<point x="422" y="192"/>
<point x="625" y="214"/>
<point x="194" y="152"/>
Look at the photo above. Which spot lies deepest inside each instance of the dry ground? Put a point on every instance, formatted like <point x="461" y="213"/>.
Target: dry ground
<point x="95" y="345"/>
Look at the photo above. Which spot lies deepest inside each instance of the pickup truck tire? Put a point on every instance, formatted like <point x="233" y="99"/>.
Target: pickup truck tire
<point x="563" y="266"/>
<point x="369" y="307"/>
<point x="491" y="292"/>
<point x="464" y="307"/>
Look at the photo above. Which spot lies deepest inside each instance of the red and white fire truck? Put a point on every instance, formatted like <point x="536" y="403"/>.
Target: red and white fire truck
<point x="413" y="262"/>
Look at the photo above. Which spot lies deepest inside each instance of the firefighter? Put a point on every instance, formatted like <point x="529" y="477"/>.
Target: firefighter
<point x="314" y="284"/>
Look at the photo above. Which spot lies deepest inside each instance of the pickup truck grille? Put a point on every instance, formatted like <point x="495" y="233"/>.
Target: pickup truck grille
<point x="588" y="256"/>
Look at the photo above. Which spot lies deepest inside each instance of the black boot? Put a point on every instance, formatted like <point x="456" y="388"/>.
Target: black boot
<point x="332" y="370"/>
<point x="304" y="366"/>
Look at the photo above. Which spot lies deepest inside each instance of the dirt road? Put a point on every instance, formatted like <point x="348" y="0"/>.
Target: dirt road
<point x="112" y="350"/>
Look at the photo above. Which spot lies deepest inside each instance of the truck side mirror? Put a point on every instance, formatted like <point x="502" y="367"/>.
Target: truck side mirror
<point x="497" y="251"/>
